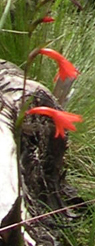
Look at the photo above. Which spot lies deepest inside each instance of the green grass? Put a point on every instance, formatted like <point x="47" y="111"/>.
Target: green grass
<point x="72" y="34"/>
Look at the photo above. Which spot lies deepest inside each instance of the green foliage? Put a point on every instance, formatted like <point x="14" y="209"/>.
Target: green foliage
<point x="72" y="34"/>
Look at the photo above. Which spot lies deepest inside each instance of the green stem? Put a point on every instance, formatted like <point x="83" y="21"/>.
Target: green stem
<point x="18" y="141"/>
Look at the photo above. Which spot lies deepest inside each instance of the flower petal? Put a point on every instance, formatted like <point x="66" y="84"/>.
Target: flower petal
<point x="47" y="19"/>
<point x="63" y="120"/>
<point x="66" y="68"/>
<point x="52" y="54"/>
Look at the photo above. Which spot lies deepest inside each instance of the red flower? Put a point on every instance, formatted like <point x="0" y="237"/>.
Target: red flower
<point x="63" y="120"/>
<point x="66" y="68"/>
<point x="48" y="19"/>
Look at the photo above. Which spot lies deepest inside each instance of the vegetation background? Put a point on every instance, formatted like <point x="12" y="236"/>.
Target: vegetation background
<point x="73" y="35"/>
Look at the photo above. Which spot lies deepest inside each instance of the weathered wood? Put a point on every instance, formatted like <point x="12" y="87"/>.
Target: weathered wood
<point x="41" y="158"/>
<point x="11" y="86"/>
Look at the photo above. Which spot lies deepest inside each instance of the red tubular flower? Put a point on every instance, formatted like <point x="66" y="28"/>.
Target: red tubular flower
<point x="63" y="120"/>
<point x="66" y="68"/>
<point x="48" y="19"/>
